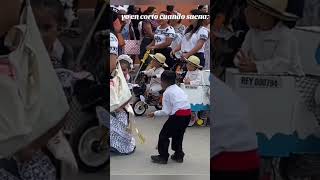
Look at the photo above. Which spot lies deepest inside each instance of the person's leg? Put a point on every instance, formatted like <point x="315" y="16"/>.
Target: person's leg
<point x="181" y="123"/>
<point x="144" y="43"/>
<point x="163" y="143"/>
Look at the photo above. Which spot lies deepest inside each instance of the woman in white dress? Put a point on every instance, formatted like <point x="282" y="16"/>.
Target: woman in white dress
<point x="195" y="36"/>
<point x="121" y="140"/>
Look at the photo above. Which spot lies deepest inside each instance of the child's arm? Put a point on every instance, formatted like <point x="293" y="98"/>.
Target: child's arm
<point x="245" y="47"/>
<point x="158" y="74"/>
<point x="149" y="72"/>
<point x="186" y="79"/>
<point x="286" y="58"/>
<point x="197" y="81"/>
<point x="166" y="107"/>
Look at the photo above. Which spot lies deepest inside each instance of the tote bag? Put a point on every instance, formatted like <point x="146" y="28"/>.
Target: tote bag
<point x="132" y="47"/>
<point x="32" y="101"/>
<point x="119" y="90"/>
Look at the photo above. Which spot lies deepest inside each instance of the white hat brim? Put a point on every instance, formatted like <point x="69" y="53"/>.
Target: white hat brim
<point x="199" y="66"/>
<point x="273" y="12"/>
<point x="154" y="57"/>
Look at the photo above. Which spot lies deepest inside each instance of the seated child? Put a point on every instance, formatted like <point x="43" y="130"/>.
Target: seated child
<point x="193" y="76"/>
<point x="176" y="105"/>
<point x="126" y="65"/>
<point x="49" y="18"/>
<point x="155" y="72"/>
<point x="269" y="46"/>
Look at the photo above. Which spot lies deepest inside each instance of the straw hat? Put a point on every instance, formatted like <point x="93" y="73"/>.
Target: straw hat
<point x="275" y="8"/>
<point x="160" y="58"/>
<point x="194" y="60"/>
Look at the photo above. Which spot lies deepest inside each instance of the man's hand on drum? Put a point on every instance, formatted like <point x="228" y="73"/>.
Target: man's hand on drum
<point x="246" y="62"/>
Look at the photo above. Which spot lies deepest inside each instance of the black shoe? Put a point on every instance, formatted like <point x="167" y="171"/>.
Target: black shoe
<point x="176" y="158"/>
<point x="159" y="160"/>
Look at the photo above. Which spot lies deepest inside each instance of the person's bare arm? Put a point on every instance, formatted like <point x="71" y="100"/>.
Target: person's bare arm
<point x="113" y="62"/>
<point x="165" y="44"/>
<point x="195" y="49"/>
<point x="151" y="45"/>
<point x="178" y="48"/>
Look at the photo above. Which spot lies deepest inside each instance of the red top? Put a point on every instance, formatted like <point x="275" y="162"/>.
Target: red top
<point x="183" y="112"/>
<point x="236" y="161"/>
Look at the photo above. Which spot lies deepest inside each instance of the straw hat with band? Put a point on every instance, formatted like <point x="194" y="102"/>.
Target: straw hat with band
<point x="160" y="58"/>
<point x="194" y="60"/>
<point x="275" y="8"/>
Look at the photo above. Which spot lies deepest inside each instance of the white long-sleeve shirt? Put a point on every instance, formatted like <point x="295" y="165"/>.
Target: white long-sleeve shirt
<point x="230" y="129"/>
<point x="274" y="51"/>
<point x="174" y="99"/>
<point x="194" y="76"/>
<point x="154" y="72"/>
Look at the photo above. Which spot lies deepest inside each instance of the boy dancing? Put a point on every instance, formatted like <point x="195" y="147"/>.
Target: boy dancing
<point x="176" y="105"/>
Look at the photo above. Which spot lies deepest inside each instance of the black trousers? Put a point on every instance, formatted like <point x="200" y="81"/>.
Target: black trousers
<point x="143" y="46"/>
<point x="174" y="128"/>
<point x="231" y="175"/>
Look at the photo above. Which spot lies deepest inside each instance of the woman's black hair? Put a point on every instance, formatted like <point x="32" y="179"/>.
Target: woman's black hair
<point x="149" y="10"/>
<point x="169" y="77"/>
<point x="200" y="7"/>
<point x="199" y="22"/>
<point x="170" y="8"/>
<point x="166" y="13"/>
<point x="131" y="9"/>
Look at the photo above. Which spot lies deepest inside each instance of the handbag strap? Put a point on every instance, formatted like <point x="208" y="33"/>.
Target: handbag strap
<point x="134" y="34"/>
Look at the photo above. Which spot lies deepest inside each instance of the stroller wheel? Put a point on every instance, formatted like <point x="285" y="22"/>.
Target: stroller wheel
<point x="139" y="108"/>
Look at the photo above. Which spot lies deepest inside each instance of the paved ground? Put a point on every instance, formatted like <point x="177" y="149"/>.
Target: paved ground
<point x="196" y="147"/>
<point x="103" y="175"/>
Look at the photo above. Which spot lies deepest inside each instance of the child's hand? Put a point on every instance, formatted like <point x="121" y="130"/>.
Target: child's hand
<point x="187" y="81"/>
<point x="151" y="115"/>
<point x="246" y="62"/>
<point x="248" y="67"/>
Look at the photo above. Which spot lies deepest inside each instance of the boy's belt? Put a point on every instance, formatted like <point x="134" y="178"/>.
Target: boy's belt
<point x="183" y="112"/>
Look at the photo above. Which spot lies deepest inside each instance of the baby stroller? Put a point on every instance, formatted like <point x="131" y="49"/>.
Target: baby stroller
<point x="143" y="99"/>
